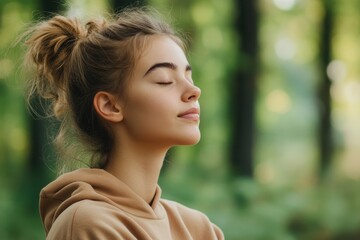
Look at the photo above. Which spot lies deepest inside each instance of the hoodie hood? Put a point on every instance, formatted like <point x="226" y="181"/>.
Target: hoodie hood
<point x="96" y="185"/>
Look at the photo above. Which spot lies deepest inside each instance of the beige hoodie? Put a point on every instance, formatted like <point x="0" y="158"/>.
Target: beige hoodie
<point x="93" y="204"/>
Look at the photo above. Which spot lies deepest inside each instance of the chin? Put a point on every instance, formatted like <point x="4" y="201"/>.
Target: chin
<point x="190" y="140"/>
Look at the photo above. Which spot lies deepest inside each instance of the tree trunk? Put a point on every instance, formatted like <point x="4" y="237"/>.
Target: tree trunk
<point x="49" y="7"/>
<point x="325" y="132"/>
<point x="39" y="139"/>
<point x="119" y="4"/>
<point x="243" y="90"/>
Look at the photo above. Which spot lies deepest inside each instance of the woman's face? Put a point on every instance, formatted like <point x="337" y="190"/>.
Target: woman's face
<point x="161" y="105"/>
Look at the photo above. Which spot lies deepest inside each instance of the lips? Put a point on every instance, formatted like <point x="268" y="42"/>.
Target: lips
<point x="191" y="114"/>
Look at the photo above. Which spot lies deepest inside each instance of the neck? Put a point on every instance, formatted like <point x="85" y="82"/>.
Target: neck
<point x="138" y="167"/>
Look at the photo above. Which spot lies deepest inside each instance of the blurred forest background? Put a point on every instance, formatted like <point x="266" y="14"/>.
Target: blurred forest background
<point x="280" y="148"/>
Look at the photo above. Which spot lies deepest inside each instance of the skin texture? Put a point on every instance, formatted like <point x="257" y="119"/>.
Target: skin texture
<point x="160" y="110"/>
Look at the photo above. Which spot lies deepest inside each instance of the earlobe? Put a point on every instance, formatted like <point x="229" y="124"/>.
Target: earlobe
<point x="108" y="107"/>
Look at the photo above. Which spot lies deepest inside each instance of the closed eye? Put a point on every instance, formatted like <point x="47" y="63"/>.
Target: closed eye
<point x="164" y="83"/>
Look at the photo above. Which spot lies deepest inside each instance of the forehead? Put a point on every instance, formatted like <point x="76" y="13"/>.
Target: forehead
<point x="160" y="48"/>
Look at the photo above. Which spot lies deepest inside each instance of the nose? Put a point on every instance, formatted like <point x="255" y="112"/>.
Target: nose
<point x="192" y="93"/>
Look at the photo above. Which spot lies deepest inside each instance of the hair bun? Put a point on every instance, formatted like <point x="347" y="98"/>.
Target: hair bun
<point x="51" y="44"/>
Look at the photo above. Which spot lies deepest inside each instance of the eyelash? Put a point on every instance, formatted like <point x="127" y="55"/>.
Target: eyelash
<point x="164" y="83"/>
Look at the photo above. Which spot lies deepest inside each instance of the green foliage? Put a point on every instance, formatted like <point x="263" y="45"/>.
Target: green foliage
<point x="246" y="209"/>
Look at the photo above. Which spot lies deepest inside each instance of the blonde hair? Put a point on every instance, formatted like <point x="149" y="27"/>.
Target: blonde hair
<point x="73" y="61"/>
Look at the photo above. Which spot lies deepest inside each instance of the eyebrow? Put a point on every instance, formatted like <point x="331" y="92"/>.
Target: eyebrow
<point x="169" y="65"/>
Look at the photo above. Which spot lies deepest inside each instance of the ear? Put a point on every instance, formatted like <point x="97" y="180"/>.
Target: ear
<point x="108" y="106"/>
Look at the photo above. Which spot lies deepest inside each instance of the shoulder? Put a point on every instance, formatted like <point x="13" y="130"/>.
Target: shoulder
<point x="88" y="212"/>
<point x="185" y="212"/>
<point x="88" y="219"/>
<point x="197" y="223"/>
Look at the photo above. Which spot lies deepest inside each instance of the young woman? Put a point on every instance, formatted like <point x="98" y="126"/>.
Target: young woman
<point x="124" y="88"/>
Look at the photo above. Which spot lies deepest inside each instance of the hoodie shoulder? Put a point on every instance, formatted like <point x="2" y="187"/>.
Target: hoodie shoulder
<point x="196" y="222"/>
<point x="89" y="219"/>
<point x="92" y="204"/>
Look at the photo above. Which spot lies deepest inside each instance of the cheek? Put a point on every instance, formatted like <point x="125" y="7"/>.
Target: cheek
<point x="151" y="106"/>
<point x="150" y="110"/>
